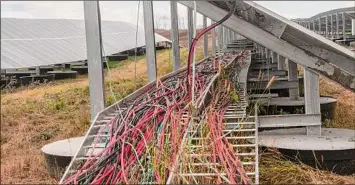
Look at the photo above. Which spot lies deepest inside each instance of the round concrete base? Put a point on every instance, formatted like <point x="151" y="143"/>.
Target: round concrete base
<point x="334" y="150"/>
<point x="327" y="106"/>
<point x="59" y="154"/>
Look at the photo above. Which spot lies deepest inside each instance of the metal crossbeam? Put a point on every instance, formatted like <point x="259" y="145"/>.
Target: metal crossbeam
<point x="330" y="59"/>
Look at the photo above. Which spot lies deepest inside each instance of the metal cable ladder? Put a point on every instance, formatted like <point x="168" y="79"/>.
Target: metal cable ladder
<point x="241" y="132"/>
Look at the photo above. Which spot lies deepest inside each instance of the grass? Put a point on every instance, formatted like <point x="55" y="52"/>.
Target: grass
<point x="276" y="170"/>
<point x="39" y="114"/>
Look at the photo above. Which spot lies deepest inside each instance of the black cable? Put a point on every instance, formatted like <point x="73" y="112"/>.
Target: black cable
<point x="231" y="11"/>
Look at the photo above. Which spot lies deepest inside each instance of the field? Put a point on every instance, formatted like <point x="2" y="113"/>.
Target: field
<point x="39" y="114"/>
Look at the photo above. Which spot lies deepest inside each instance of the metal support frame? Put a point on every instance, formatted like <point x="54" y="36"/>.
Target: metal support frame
<point x="289" y="120"/>
<point x="331" y="26"/>
<point x="311" y="97"/>
<point x="38" y="70"/>
<point x="292" y="76"/>
<point x="205" y="38"/>
<point x="175" y="35"/>
<point x="220" y="38"/>
<point x="310" y="56"/>
<point x="225" y="36"/>
<point x="313" y="24"/>
<point x="344" y="25"/>
<point x="319" y="26"/>
<point x="213" y="32"/>
<point x="274" y="57"/>
<point x="326" y="26"/>
<point x="352" y="26"/>
<point x="230" y="34"/>
<point x="337" y="23"/>
<point x="149" y="40"/>
<point x="190" y="26"/>
<point x="281" y="62"/>
<point x="94" y="57"/>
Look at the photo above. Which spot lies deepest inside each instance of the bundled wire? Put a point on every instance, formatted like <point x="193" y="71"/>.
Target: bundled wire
<point x="144" y="140"/>
<point x="204" y="31"/>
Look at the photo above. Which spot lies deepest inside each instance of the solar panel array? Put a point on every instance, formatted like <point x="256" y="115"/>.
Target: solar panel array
<point x="39" y="42"/>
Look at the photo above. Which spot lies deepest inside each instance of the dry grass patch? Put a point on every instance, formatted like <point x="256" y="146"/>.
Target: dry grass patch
<point x="345" y="111"/>
<point x="37" y="115"/>
<point x="276" y="170"/>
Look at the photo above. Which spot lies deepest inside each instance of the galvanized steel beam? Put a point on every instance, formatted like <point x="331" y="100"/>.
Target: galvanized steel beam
<point x="213" y="32"/>
<point x="301" y="54"/>
<point x="190" y="26"/>
<point x="94" y="57"/>
<point x="175" y="35"/>
<point x="205" y="38"/>
<point x="292" y="76"/>
<point x="281" y="62"/>
<point x="289" y="120"/>
<point x="311" y="97"/>
<point x="344" y="25"/>
<point x="149" y="40"/>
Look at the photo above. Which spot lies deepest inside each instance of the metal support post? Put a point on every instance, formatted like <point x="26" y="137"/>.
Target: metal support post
<point x="281" y="62"/>
<point x="319" y="26"/>
<point x="331" y="26"/>
<point x="220" y="39"/>
<point x="213" y="32"/>
<point x="337" y="23"/>
<point x="225" y="36"/>
<point x="190" y="26"/>
<point x="344" y="25"/>
<point x="352" y="26"/>
<point x="230" y="35"/>
<point x="175" y="35"/>
<point x="311" y="97"/>
<point x="292" y="76"/>
<point x="313" y="28"/>
<point x="274" y="57"/>
<point x="38" y="71"/>
<point x="149" y="40"/>
<point x="267" y="53"/>
<point x="326" y="27"/>
<point x="94" y="57"/>
<point x="205" y="38"/>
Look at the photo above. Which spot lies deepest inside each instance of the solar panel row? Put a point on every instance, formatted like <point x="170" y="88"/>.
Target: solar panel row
<point x="38" y="42"/>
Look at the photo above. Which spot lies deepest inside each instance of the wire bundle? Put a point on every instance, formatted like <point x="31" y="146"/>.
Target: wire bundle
<point x="222" y="150"/>
<point x="207" y="150"/>
<point x="144" y="140"/>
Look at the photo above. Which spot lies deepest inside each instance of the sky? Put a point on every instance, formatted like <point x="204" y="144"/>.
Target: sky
<point x="127" y="10"/>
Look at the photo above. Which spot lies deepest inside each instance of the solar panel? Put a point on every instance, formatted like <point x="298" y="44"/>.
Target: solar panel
<point x="38" y="42"/>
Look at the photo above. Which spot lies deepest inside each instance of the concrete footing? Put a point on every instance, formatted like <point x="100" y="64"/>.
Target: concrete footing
<point x="59" y="154"/>
<point x="334" y="150"/>
<point x="285" y="104"/>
